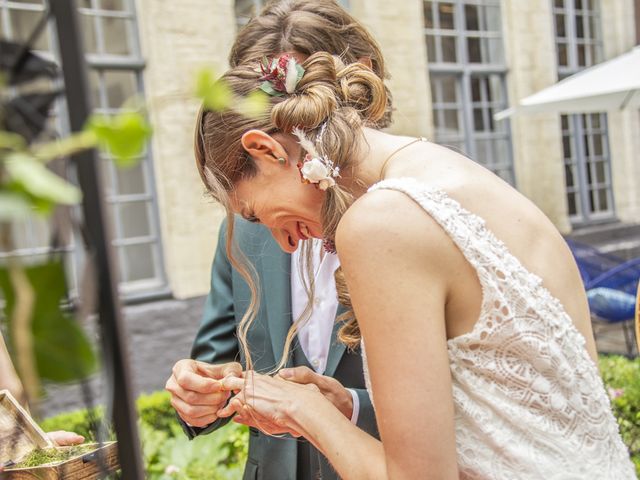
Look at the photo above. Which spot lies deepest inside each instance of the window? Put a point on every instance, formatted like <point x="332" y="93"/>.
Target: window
<point x="110" y="39"/>
<point x="585" y="141"/>
<point x="468" y="80"/>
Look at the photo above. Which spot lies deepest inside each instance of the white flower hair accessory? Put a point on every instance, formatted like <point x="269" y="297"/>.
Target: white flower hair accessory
<point x="315" y="168"/>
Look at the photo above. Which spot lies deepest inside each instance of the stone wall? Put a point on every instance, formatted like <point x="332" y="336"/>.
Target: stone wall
<point x="178" y="38"/>
<point x="537" y="148"/>
<point x="618" y="31"/>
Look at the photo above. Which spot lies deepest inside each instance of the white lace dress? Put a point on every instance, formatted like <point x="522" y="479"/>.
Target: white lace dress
<point x="529" y="401"/>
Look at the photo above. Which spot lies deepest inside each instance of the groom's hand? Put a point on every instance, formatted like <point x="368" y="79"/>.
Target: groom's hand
<point x="196" y="392"/>
<point x="331" y="388"/>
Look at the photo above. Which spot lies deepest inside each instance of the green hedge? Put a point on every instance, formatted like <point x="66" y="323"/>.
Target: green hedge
<point x="622" y="379"/>
<point x="168" y="453"/>
<point x="221" y="455"/>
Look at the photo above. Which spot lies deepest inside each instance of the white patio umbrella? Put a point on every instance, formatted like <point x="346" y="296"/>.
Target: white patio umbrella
<point x="607" y="86"/>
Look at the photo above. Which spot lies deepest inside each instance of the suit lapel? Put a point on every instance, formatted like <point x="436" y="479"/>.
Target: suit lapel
<point x="337" y="348"/>
<point x="276" y="293"/>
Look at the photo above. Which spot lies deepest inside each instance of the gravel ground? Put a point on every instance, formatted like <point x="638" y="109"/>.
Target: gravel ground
<point x="159" y="333"/>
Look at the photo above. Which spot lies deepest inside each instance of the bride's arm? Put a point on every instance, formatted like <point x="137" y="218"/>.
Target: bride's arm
<point x="397" y="264"/>
<point x="397" y="269"/>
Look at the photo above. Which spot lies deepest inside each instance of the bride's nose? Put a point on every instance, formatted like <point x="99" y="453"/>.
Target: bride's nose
<point x="284" y="239"/>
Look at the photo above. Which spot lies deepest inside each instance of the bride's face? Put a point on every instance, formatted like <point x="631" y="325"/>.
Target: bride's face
<point x="276" y="197"/>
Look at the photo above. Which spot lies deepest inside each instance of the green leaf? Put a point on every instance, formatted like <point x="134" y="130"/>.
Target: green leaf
<point x="27" y="172"/>
<point x="62" y="350"/>
<point x="215" y="95"/>
<point x="14" y="206"/>
<point x="123" y="136"/>
<point x="268" y="88"/>
<point x="11" y="140"/>
<point x="254" y="105"/>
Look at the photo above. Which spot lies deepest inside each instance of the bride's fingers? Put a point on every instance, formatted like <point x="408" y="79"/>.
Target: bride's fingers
<point x="232" y="383"/>
<point x="235" y="405"/>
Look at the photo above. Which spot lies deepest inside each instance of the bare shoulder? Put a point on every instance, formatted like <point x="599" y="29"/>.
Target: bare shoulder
<point x="389" y="221"/>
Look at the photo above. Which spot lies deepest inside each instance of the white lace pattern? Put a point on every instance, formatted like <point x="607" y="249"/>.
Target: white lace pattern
<point x="529" y="401"/>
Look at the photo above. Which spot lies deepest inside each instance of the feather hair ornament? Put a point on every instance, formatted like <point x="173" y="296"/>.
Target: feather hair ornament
<point x="315" y="168"/>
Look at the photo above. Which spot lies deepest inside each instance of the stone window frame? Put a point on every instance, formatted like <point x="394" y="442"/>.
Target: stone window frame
<point x="106" y="72"/>
<point x="492" y="147"/>
<point x="587" y="171"/>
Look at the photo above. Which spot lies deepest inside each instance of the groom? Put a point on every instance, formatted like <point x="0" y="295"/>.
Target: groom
<point x="317" y="356"/>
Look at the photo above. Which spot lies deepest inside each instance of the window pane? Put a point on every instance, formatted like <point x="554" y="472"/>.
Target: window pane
<point x="563" y="58"/>
<point x="476" y="87"/>
<point x="571" y="203"/>
<point x="472" y="18"/>
<point x="131" y="180"/>
<point x="478" y="120"/>
<point x="601" y="176"/>
<point x="473" y="50"/>
<point x="579" y="26"/>
<point x="449" y="49"/>
<point x="446" y="16"/>
<point x="560" y="26"/>
<point x="603" y="202"/>
<point x="582" y="60"/>
<point x="88" y="28"/>
<point x="139" y="262"/>
<point x="116" y="36"/>
<point x="493" y="50"/>
<point x="431" y="49"/>
<point x="566" y="146"/>
<point x="569" y="176"/>
<point x="134" y="219"/>
<point x="112" y="5"/>
<point x="594" y="28"/>
<point x="451" y="125"/>
<point x="120" y="85"/>
<point x="596" y="139"/>
<point x="23" y="23"/>
<point x="492" y="19"/>
<point x="94" y="88"/>
<point x="449" y="94"/>
<point x="428" y="14"/>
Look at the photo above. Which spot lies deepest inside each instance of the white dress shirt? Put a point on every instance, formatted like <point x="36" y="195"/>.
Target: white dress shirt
<point x="315" y="333"/>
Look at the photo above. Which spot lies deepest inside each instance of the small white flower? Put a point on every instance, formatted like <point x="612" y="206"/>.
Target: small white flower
<point x="315" y="170"/>
<point x="326" y="183"/>
<point x="171" y="469"/>
<point x="291" y="79"/>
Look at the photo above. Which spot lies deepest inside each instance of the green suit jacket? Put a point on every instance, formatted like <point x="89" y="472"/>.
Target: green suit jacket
<point x="269" y="458"/>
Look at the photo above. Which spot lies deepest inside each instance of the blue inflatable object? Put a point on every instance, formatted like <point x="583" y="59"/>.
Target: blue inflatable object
<point x="611" y="305"/>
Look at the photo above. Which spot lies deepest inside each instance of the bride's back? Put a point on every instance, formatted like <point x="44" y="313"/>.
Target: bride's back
<point x="515" y="220"/>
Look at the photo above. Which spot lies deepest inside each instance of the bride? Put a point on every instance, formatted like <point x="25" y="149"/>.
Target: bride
<point x="479" y="347"/>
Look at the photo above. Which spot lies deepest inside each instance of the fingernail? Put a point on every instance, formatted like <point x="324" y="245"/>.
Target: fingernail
<point x="286" y="373"/>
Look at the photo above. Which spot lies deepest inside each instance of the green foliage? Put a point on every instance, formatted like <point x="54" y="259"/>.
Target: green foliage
<point x="123" y="136"/>
<point x="62" y="350"/>
<point x="168" y="453"/>
<point x="622" y="380"/>
<point x="51" y="455"/>
<point x="216" y="95"/>
<point x="29" y="175"/>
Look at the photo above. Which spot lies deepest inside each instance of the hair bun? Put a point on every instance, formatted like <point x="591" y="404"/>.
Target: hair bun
<point x="314" y="99"/>
<point x="362" y="90"/>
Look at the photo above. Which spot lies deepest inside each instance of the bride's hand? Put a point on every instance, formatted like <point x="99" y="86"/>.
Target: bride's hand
<point x="269" y="403"/>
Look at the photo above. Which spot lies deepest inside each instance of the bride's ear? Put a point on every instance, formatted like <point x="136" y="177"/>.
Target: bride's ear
<point x="263" y="147"/>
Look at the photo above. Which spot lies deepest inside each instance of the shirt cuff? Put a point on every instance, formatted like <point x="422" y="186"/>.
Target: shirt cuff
<point x="356" y="406"/>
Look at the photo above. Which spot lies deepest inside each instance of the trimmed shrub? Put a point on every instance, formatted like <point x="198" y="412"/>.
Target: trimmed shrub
<point x="622" y="379"/>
